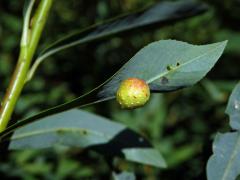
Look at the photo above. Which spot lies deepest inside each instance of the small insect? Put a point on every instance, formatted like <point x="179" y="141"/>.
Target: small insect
<point x="172" y="67"/>
<point x="169" y="68"/>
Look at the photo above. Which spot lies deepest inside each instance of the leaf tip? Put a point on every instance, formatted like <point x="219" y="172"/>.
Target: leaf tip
<point x="225" y="42"/>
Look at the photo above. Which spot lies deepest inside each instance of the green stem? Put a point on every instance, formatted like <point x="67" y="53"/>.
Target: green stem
<point x="26" y="54"/>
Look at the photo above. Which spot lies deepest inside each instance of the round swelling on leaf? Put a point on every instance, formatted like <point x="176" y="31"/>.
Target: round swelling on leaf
<point x="133" y="93"/>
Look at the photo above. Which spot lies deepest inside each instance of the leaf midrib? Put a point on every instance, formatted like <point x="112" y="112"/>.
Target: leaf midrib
<point x="231" y="160"/>
<point x="183" y="64"/>
<point x="54" y="130"/>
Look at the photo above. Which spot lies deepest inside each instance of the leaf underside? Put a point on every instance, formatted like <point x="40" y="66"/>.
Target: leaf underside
<point x="76" y="128"/>
<point x="224" y="164"/>
<point x="165" y="65"/>
<point x="158" y="14"/>
<point x="233" y="108"/>
<point x="124" y="176"/>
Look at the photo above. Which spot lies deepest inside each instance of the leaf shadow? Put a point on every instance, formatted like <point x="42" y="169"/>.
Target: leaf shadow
<point x="124" y="139"/>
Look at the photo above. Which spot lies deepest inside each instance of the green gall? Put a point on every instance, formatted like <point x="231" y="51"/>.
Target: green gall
<point x="133" y="93"/>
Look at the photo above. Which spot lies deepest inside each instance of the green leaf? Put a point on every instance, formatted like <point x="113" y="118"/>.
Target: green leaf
<point x="168" y="65"/>
<point x="224" y="164"/>
<point x="145" y="154"/>
<point x="233" y="108"/>
<point x="76" y="128"/>
<point x="161" y="14"/>
<point x="165" y="65"/>
<point x="124" y="176"/>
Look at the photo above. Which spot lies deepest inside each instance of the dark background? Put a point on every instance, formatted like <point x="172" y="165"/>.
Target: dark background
<point x="180" y="124"/>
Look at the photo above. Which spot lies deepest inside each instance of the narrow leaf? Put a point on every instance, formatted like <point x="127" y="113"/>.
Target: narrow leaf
<point x="166" y="65"/>
<point x="160" y="13"/>
<point x="145" y="155"/>
<point x="233" y="108"/>
<point x="124" y="176"/>
<point x="224" y="164"/>
<point x="76" y="128"/>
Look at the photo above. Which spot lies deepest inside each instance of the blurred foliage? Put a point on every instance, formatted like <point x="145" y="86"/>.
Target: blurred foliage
<point x="180" y="124"/>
